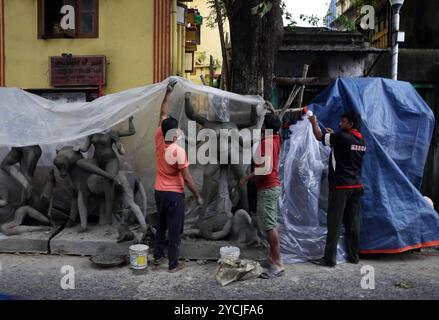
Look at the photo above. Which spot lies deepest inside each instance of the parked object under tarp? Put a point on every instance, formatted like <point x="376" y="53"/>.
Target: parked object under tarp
<point x="397" y="125"/>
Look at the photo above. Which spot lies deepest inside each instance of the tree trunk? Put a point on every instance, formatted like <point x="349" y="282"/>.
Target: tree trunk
<point x="225" y="70"/>
<point x="255" y="43"/>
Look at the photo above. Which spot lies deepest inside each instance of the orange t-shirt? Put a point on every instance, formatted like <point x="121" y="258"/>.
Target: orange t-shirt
<point x="170" y="160"/>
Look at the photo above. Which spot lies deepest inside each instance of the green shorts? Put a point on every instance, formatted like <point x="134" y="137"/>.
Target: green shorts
<point x="266" y="208"/>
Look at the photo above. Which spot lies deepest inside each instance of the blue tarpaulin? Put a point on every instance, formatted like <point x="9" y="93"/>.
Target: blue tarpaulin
<point x="397" y="125"/>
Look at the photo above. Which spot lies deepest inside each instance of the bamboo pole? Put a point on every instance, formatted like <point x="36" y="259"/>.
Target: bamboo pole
<point x="291" y="81"/>
<point x="302" y="90"/>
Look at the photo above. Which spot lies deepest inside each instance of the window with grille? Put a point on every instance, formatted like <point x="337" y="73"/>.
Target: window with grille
<point x="80" y="17"/>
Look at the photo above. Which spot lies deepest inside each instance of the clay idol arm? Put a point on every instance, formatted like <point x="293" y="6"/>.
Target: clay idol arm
<point x="92" y="168"/>
<point x="85" y="147"/>
<point x="120" y="148"/>
<point x="223" y="233"/>
<point x="49" y="185"/>
<point x="190" y="112"/>
<point x="116" y="140"/>
<point x="3" y="198"/>
<point x="131" y="129"/>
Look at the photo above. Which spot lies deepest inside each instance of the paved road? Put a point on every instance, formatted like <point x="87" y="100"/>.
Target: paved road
<point x="404" y="276"/>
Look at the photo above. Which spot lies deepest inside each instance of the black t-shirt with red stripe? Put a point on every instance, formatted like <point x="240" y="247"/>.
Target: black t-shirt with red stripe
<point x="348" y="149"/>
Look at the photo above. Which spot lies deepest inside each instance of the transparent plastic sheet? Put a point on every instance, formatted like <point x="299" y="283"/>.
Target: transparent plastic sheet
<point x="303" y="202"/>
<point x="28" y="119"/>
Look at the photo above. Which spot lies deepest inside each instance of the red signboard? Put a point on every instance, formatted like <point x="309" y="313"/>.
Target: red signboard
<point x="77" y="71"/>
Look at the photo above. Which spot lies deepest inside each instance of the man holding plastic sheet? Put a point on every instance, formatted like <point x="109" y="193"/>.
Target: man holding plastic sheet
<point x="268" y="191"/>
<point x="172" y="173"/>
<point x="345" y="186"/>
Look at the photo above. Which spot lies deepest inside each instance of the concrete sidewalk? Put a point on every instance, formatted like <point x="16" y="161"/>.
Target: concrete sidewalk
<point x="402" y="276"/>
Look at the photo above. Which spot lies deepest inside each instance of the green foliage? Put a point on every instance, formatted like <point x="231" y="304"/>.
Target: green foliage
<point x="350" y="24"/>
<point x="312" y="20"/>
<point x="343" y="20"/>
<point x="265" y="6"/>
<point x="262" y="8"/>
<point x="288" y="16"/>
<point x="212" y="18"/>
<point x="201" y="57"/>
<point x="346" y="23"/>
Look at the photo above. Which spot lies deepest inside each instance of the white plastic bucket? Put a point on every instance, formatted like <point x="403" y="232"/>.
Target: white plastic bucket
<point x="228" y="252"/>
<point x="139" y="256"/>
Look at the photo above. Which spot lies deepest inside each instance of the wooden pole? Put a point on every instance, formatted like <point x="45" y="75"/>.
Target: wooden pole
<point x="290" y="100"/>
<point x="203" y="80"/>
<point x="222" y="82"/>
<point x="302" y="90"/>
<point x="219" y="20"/>
<point x="294" y="93"/>
<point x="284" y="81"/>
<point x="289" y="110"/>
<point x="211" y="71"/>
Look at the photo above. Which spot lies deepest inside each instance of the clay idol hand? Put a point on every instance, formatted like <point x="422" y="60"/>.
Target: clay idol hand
<point x="260" y="108"/>
<point x="269" y="107"/>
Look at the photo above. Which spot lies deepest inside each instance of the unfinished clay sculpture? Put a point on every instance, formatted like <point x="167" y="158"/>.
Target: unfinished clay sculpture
<point x="86" y="184"/>
<point x="27" y="158"/>
<point x="105" y="162"/>
<point x="238" y="227"/>
<point x="34" y="214"/>
<point x="219" y="119"/>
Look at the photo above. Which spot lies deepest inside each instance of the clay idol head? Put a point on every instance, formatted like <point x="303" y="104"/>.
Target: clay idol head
<point x="218" y="109"/>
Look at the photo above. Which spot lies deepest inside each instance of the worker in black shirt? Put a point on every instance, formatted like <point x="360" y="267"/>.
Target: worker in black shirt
<point x="345" y="186"/>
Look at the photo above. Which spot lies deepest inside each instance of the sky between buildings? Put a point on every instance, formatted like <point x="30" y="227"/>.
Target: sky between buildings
<point x="307" y="7"/>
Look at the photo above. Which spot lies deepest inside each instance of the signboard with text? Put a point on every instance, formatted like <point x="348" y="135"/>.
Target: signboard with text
<point x="77" y="71"/>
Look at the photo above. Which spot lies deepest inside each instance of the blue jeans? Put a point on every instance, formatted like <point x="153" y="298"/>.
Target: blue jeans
<point x="170" y="210"/>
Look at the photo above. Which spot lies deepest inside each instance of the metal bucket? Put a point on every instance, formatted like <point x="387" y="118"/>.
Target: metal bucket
<point x="231" y="253"/>
<point x="139" y="256"/>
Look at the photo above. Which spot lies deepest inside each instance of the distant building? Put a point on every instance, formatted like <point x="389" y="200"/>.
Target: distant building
<point x="330" y="54"/>
<point x="331" y="15"/>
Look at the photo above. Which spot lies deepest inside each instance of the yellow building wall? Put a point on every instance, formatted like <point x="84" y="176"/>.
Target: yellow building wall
<point x="126" y="29"/>
<point x="210" y="39"/>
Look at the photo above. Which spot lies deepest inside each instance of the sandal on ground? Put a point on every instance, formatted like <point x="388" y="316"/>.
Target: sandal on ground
<point x="272" y="273"/>
<point x="266" y="264"/>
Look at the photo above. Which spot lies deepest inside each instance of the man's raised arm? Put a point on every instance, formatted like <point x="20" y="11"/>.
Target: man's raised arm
<point x="164" y="112"/>
<point x="315" y="128"/>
